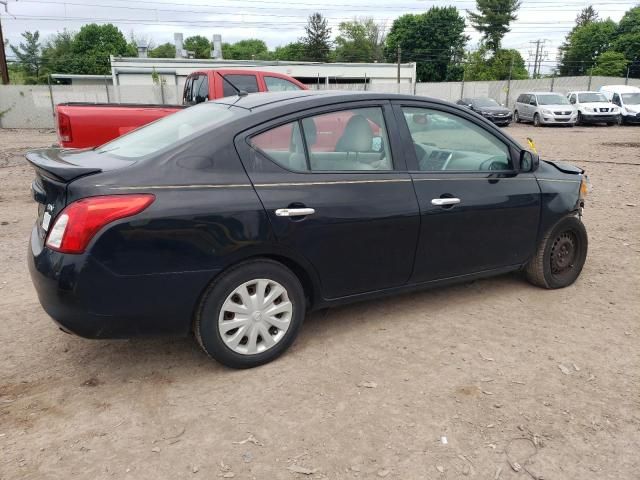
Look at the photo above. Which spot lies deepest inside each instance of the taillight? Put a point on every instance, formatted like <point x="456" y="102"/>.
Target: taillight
<point x="81" y="220"/>
<point x="64" y="128"/>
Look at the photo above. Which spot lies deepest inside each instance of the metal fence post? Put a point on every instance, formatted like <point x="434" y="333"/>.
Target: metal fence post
<point x="53" y="105"/>
<point x="106" y="88"/>
<point x="553" y="80"/>
<point x="590" y="77"/>
<point x="162" y="91"/>
<point x="462" y="84"/>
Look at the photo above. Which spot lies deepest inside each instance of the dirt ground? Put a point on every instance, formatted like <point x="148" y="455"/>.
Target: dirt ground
<point x="446" y="384"/>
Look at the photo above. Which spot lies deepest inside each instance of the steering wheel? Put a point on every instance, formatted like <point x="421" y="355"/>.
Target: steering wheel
<point x="492" y="163"/>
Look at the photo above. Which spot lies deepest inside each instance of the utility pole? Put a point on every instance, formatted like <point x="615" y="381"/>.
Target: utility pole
<point x="399" y="59"/>
<point x="539" y="56"/>
<point x="509" y="82"/>
<point x="4" y="71"/>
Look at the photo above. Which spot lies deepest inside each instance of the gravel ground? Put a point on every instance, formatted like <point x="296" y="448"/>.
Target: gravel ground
<point x="503" y="370"/>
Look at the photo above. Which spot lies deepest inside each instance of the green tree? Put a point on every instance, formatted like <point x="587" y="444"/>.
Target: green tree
<point x="610" y="64"/>
<point x="295" y="51"/>
<point x="627" y="38"/>
<point x="482" y="65"/>
<point x="587" y="15"/>
<point x="166" y="50"/>
<point x="584" y="44"/>
<point x="435" y="40"/>
<point x="28" y="54"/>
<point x="93" y="45"/>
<point x="57" y="54"/>
<point x="248" y="49"/>
<point x="317" y="40"/>
<point x="492" y="20"/>
<point x="360" y="41"/>
<point x="199" y="45"/>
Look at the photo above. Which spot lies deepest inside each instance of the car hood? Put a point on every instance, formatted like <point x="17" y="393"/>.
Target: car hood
<point x="597" y="105"/>
<point x="493" y="109"/>
<point x="558" y="107"/>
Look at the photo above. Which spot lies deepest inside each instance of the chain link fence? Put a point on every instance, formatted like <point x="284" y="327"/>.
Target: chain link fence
<point x="33" y="106"/>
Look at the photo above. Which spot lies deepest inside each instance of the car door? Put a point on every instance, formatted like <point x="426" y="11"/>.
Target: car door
<point x="336" y="190"/>
<point x="478" y="213"/>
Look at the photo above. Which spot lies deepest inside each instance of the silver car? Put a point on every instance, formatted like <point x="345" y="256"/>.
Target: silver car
<point x="544" y="108"/>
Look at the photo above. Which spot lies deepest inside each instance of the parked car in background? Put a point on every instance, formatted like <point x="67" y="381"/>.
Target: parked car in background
<point x="82" y="125"/>
<point x="489" y="109"/>
<point x="206" y="221"/>
<point x="627" y="98"/>
<point x="593" y="107"/>
<point x="544" y="108"/>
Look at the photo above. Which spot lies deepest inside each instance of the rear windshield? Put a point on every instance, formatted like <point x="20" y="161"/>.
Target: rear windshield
<point x="592" y="98"/>
<point x="171" y="130"/>
<point x="552" y="100"/>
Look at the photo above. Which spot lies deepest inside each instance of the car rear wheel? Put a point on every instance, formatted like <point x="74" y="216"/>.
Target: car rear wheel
<point x="251" y="314"/>
<point x="560" y="255"/>
<point x="516" y="116"/>
<point x="536" y="120"/>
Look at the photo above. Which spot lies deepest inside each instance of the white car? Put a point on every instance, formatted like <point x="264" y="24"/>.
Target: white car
<point x="594" y="107"/>
<point x="627" y="98"/>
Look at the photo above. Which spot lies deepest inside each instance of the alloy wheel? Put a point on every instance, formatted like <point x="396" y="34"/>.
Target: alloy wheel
<point x="255" y="316"/>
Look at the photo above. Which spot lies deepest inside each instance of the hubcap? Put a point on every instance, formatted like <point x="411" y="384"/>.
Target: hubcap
<point x="255" y="316"/>
<point x="563" y="253"/>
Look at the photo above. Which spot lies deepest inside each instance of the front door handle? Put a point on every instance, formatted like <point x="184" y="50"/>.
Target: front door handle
<point x="294" y="212"/>
<point x="441" y="202"/>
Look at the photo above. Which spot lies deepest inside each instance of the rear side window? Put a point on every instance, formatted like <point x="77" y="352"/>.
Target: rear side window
<point x="275" y="84"/>
<point x="248" y="83"/>
<point x="347" y="140"/>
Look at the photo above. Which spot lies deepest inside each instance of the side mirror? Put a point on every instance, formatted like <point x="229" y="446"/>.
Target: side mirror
<point x="529" y="161"/>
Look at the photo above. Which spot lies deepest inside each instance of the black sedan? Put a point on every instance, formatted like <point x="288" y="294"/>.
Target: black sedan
<point x="489" y="109"/>
<point x="232" y="219"/>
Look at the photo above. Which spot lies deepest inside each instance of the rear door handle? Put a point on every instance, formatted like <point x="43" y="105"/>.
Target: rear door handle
<point x="294" y="212"/>
<point x="440" y="202"/>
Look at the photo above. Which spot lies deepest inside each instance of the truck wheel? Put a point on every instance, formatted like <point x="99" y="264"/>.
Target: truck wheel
<point x="536" y="120"/>
<point x="560" y="255"/>
<point x="619" y="120"/>
<point x="251" y="314"/>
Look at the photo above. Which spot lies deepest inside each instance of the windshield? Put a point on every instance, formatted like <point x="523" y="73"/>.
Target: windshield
<point x="170" y="130"/>
<point x="552" y="100"/>
<point x="631" y="98"/>
<point x="592" y="97"/>
<point x="485" y="102"/>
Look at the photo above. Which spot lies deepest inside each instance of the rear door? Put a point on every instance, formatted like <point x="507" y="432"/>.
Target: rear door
<point x="477" y="212"/>
<point x="335" y="187"/>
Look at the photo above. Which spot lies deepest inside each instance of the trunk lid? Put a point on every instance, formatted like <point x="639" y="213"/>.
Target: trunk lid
<point x="55" y="170"/>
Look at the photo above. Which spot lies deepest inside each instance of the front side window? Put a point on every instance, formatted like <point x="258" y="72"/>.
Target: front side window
<point x="447" y="142"/>
<point x="347" y="140"/>
<point x="275" y="84"/>
<point x="248" y="83"/>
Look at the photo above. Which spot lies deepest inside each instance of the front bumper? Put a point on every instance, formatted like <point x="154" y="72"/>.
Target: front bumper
<point x="558" y="119"/>
<point x="499" y="120"/>
<point x="599" y="118"/>
<point x="85" y="298"/>
<point x="631" y="118"/>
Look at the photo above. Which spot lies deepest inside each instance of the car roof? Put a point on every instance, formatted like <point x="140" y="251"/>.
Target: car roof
<point x="543" y="93"/>
<point x="620" y="88"/>
<point x="262" y="100"/>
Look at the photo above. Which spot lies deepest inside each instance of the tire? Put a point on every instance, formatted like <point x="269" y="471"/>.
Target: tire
<point x="516" y="116"/>
<point x="560" y="255"/>
<point x="536" y="120"/>
<point x="262" y="275"/>
<point x="579" y="120"/>
<point x="619" y="120"/>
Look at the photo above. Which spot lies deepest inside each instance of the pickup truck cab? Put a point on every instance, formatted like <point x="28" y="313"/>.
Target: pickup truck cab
<point x="594" y="107"/>
<point x="84" y="125"/>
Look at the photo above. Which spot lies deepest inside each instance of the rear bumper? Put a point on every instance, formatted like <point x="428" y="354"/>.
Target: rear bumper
<point x="86" y="299"/>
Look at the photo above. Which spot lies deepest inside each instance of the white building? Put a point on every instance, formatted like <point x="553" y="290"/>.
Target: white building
<point x="174" y="71"/>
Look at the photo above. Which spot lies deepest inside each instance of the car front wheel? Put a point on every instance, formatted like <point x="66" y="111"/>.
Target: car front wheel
<point x="536" y="120"/>
<point x="560" y="255"/>
<point x="251" y="314"/>
<point x="516" y="117"/>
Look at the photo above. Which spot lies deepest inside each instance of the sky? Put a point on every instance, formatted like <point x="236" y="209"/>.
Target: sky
<point x="280" y="22"/>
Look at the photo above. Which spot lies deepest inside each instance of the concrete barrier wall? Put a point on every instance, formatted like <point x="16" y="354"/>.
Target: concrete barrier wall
<point x="32" y="106"/>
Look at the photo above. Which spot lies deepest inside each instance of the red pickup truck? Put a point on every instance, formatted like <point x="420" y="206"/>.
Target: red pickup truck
<point x="82" y="125"/>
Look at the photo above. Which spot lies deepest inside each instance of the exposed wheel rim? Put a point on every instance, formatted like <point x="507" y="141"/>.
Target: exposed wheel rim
<point x="564" y="253"/>
<point x="255" y="316"/>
